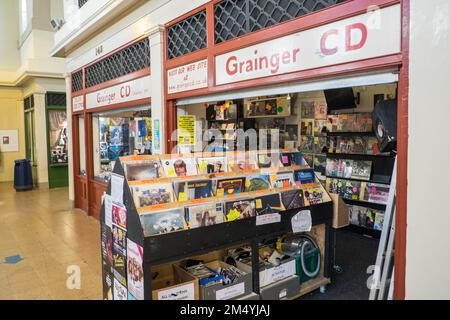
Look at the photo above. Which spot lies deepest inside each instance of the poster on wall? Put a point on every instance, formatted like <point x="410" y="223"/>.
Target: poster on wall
<point x="135" y="270"/>
<point x="9" y="140"/>
<point x="120" y="291"/>
<point x="186" y="130"/>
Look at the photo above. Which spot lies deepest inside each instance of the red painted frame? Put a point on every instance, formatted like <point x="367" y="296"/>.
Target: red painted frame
<point x="324" y="16"/>
<point x="92" y="188"/>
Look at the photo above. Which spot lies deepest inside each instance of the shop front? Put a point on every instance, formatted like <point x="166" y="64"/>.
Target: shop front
<point x="111" y="117"/>
<point x="313" y="82"/>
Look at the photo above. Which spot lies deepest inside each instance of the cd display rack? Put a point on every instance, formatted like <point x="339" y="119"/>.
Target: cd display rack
<point x="130" y="248"/>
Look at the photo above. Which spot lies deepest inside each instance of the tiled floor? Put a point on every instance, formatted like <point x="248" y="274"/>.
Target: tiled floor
<point x="41" y="227"/>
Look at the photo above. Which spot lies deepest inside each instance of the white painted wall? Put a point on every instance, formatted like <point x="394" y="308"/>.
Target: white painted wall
<point x="428" y="215"/>
<point x="9" y="35"/>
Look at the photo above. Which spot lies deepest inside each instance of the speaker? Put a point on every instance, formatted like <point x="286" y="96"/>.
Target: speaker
<point x="385" y="124"/>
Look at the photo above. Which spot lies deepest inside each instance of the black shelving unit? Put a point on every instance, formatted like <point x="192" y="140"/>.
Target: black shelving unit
<point x="175" y="246"/>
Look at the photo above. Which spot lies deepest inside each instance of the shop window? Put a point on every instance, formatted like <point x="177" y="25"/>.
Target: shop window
<point x="187" y="36"/>
<point x="77" y="81"/>
<point x="118" y="134"/>
<point x="233" y="18"/>
<point x="128" y="60"/>
<point x="82" y="146"/>
<point x="57" y="124"/>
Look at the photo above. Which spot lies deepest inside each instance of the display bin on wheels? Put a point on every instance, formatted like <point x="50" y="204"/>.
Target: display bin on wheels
<point x="23" y="176"/>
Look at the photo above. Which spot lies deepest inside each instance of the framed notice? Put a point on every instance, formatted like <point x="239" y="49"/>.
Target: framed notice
<point x="186" y="130"/>
<point x="9" y="140"/>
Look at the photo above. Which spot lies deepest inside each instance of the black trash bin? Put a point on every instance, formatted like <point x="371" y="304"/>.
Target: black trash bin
<point x="23" y="176"/>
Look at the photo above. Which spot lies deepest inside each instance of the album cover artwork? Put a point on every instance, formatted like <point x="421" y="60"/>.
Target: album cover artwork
<point x="289" y="159"/>
<point x="180" y="167"/>
<point x="361" y="170"/>
<point x="333" y="167"/>
<point x="320" y="145"/>
<point x="119" y="240"/>
<point x="332" y="123"/>
<point x="120" y="267"/>
<point x="239" y="209"/>
<point x="255" y="182"/>
<point x="208" y="165"/>
<point x="120" y="291"/>
<point x="363" y="122"/>
<point x="143" y="170"/>
<point x="152" y="194"/>
<point x="320" y="110"/>
<point x="307" y="109"/>
<point x="203" y="215"/>
<point x="372" y="145"/>
<point x="379" y="220"/>
<point x="352" y="190"/>
<point x="282" y="180"/>
<point x="313" y="196"/>
<point x="307" y="144"/>
<point x="345" y="123"/>
<point x="291" y="132"/>
<point x="108" y="279"/>
<point x="292" y="199"/>
<point x="332" y="185"/>
<point x="107" y="247"/>
<point x="242" y="161"/>
<point x="376" y="193"/>
<point x="290" y="144"/>
<point x="229" y="186"/>
<point x="304" y="176"/>
<point x="346" y="168"/>
<point x="191" y="190"/>
<point x="162" y="222"/>
<point x="320" y="164"/>
<point x="135" y="271"/>
<point x="354" y="213"/>
<point x="307" y="127"/>
<point x="268" y="160"/>
<point x="119" y="215"/>
<point x="268" y="204"/>
<point x="320" y="127"/>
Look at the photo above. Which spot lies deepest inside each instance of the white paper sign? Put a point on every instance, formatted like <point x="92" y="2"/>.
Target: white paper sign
<point x="135" y="271"/>
<point x="120" y="291"/>
<point x="185" y="292"/>
<point x="369" y="35"/>
<point x="188" y="77"/>
<point x="231" y="292"/>
<point x="125" y="92"/>
<point x="78" y="104"/>
<point x="108" y="210"/>
<point x="268" y="219"/>
<point x="302" y="222"/>
<point x="117" y="188"/>
<point x="283" y="271"/>
<point x="9" y="140"/>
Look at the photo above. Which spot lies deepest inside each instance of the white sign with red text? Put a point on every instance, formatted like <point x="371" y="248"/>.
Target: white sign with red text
<point x="77" y="104"/>
<point x="188" y="77"/>
<point x="373" y="34"/>
<point x="125" y="92"/>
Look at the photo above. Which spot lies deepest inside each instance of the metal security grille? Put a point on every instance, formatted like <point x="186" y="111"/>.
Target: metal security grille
<point x="82" y="3"/>
<point x="77" y="81"/>
<point x="187" y="36"/>
<point x="29" y="102"/>
<point x="234" y="18"/>
<point x="56" y="99"/>
<point x="130" y="59"/>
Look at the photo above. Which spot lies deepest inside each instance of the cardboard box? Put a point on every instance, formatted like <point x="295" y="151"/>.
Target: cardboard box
<point x="340" y="212"/>
<point x="272" y="274"/>
<point x="241" y="287"/>
<point x="283" y="289"/>
<point x="179" y="285"/>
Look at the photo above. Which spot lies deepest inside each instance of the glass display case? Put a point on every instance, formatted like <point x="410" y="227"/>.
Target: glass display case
<point x="57" y="120"/>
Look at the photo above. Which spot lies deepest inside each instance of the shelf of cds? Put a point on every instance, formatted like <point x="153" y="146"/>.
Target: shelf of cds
<point x="168" y="208"/>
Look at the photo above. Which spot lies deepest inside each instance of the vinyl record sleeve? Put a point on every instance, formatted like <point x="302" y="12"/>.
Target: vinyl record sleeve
<point x="152" y="194"/>
<point x="179" y="167"/>
<point x="161" y="222"/>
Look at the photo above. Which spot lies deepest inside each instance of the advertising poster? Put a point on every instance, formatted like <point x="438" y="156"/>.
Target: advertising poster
<point x="119" y="215"/>
<point x="135" y="270"/>
<point x="186" y="130"/>
<point x="120" y="291"/>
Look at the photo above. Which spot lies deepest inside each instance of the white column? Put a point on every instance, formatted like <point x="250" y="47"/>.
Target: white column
<point x="41" y="134"/>
<point x="70" y="138"/>
<point x="156" y="66"/>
